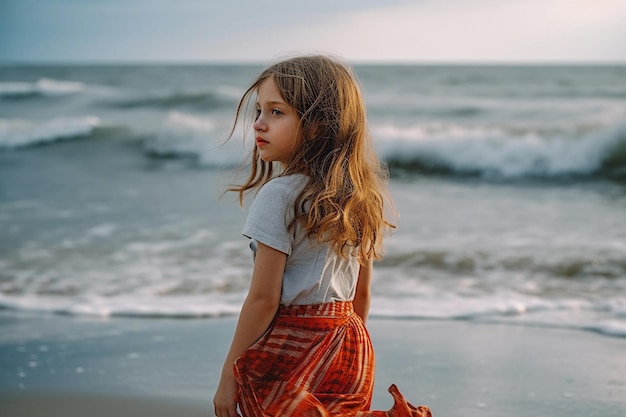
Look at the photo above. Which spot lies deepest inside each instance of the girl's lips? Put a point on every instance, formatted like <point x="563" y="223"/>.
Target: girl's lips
<point x="260" y="141"/>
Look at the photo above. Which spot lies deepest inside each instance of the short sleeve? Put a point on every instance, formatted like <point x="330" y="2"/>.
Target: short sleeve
<point x="266" y="222"/>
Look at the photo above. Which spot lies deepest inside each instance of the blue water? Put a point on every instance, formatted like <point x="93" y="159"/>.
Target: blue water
<point x="510" y="183"/>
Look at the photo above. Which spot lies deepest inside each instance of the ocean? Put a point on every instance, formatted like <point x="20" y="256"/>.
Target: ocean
<point x="509" y="182"/>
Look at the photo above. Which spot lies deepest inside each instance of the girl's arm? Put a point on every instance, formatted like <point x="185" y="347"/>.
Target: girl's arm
<point x="363" y="294"/>
<point x="256" y="315"/>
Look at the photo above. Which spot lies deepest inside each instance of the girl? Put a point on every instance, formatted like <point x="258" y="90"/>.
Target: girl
<point x="300" y="347"/>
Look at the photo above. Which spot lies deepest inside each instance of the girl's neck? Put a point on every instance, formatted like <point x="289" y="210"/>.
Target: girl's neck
<point x="290" y="170"/>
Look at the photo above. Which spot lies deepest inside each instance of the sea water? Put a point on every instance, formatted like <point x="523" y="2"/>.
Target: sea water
<point x="509" y="184"/>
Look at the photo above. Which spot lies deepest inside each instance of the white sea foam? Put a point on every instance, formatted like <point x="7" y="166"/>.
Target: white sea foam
<point x="185" y="134"/>
<point x="487" y="150"/>
<point x="55" y="87"/>
<point x="497" y="308"/>
<point x="231" y="92"/>
<point x="492" y="150"/>
<point x="190" y="122"/>
<point x="181" y="134"/>
<point x="102" y="230"/>
<point x="15" y="133"/>
<point x="610" y="328"/>
<point x="43" y="86"/>
<point x="210" y="305"/>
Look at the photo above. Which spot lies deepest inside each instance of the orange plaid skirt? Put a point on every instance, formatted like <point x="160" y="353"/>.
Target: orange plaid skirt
<point x="314" y="360"/>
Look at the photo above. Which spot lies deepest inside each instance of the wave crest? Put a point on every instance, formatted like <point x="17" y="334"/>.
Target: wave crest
<point x="41" y="87"/>
<point x="17" y="133"/>
<point x="583" y="266"/>
<point x="505" y="153"/>
<point x="199" y="138"/>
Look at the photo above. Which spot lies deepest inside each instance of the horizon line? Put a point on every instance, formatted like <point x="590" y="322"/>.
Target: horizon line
<point x="364" y="62"/>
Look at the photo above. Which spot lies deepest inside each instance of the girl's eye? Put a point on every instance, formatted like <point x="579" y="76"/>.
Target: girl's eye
<point x="276" y="112"/>
<point x="258" y="113"/>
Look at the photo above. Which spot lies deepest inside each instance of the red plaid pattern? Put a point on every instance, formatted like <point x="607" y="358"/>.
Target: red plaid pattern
<point x="314" y="360"/>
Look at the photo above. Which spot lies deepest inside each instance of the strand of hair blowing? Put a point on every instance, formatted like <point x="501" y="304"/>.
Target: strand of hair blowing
<point x="344" y="199"/>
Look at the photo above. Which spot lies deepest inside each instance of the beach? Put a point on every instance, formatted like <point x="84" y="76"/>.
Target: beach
<point x="69" y="366"/>
<point x="122" y="265"/>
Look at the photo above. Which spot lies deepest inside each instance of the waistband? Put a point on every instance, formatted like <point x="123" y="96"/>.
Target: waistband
<point x="336" y="309"/>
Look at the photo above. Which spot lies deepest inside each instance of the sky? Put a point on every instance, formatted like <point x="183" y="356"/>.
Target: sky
<point x="585" y="31"/>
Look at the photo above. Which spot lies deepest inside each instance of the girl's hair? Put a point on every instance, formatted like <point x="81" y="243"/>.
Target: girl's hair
<point x="343" y="200"/>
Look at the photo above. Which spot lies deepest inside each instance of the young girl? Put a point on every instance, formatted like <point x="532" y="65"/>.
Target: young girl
<point x="300" y="347"/>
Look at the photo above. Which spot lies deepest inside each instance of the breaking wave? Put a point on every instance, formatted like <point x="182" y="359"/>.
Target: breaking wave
<point x="18" y="133"/>
<point x="41" y="88"/>
<point x="497" y="152"/>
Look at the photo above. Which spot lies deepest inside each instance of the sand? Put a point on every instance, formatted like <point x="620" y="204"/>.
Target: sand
<point x="73" y="366"/>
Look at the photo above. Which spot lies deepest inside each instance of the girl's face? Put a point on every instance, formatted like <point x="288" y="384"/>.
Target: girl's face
<point x="276" y="124"/>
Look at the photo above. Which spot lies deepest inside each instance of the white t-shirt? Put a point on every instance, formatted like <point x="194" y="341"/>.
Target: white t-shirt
<point x="314" y="273"/>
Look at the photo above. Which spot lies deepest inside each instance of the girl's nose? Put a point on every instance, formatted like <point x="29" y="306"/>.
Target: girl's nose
<point x="259" y="124"/>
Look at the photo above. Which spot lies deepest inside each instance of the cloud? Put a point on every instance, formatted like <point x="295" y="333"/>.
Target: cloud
<point x="246" y="30"/>
<point x="479" y="30"/>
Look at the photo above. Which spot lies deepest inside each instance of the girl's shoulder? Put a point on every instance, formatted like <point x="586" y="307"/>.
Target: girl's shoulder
<point x="277" y="194"/>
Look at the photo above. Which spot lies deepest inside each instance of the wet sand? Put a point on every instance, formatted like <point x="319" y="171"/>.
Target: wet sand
<point x="77" y="366"/>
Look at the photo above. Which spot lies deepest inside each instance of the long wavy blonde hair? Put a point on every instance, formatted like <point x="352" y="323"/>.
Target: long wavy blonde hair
<point x="344" y="200"/>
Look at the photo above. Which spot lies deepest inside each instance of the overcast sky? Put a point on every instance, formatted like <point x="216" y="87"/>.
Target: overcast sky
<point x="367" y="30"/>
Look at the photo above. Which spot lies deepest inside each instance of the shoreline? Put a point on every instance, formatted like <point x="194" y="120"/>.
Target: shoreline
<point x="71" y="365"/>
